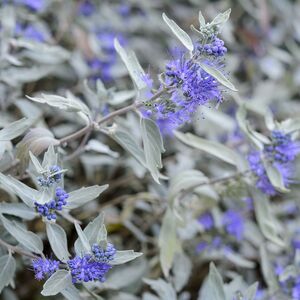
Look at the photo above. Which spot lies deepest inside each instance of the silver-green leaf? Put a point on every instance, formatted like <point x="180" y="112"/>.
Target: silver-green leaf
<point x="58" y="282"/>
<point x="179" y="33"/>
<point x="218" y="76"/>
<point x="84" y="195"/>
<point x="15" y="129"/>
<point x="58" y="241"/>
<point x="153" y="147"/>
<point x="7" y="270"/>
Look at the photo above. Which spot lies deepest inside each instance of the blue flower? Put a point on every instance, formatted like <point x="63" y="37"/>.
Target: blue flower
<point x="104" y="255"/>
<point x="50" y="208"/>
<point x="234" y="223"/>
<point x="189" y="87"/>
<point x="44" y="267"/>
<point x="84" y="269"/>
<point x="206" y="220"/>
<point x="262" y="182"/>
<point x="86" y="8"/>
<point x="53" y="176"/>
<point x="215" y="48"/>
<point x="281" y="153"/>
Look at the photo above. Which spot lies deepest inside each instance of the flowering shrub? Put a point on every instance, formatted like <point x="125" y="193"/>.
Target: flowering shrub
<point x="97" y="155"/>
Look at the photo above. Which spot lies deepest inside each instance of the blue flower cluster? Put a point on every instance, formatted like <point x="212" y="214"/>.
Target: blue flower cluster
<point x="104" y="255"/>
<point x="190" y="86"/>
<point x="233" y="222"/>
<point x="84" y="269"/>
<point x="215" y="48"/>
<point x="90" y="267"/>
<point x="44" y="267"/>
<point x="53" y="176"/>
<point x="281" y="153"/>
<point x="49" y="209"/>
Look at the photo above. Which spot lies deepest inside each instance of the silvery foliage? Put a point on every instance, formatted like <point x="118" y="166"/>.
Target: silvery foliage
<point x="162" y="198"/>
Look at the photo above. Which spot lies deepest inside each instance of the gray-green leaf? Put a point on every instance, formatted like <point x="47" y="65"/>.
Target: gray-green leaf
<point x="15" y="129"/>
<point x="7" y="270"/>
<point x="163" y="289"/>
<point x="213" y="287"/>
<point x="59" y="281"/>
<point x="27" y="238"/>
<point x="218" y="76"/>
<point x="84" y="195"/>
<point x="125" y="256"/>
<point x="153" y="147"/>
<point x="134" y="68"/>
<point x="179" y="33"/>
<point x="58" y="240"/>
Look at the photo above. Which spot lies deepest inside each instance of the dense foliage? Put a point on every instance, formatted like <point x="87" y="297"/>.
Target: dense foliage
<point x="121" y="128"/>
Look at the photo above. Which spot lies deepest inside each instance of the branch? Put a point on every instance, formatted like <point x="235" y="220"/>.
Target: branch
<point x="121" y="111"/>
<point x="184" y="192"/>
<point x="15" y="249"/>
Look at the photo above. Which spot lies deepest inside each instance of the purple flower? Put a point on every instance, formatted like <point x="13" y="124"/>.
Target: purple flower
<point x="50" y="208"/>
<point x="189" y="87"/>
<point x="86" y="8"/>
<point x="54" y="175"/>
<point x="281" y="153"/>
<point x="262" y="182"/>
<point x="104" y="255"/>
<point x="201" y="246"/>
<point x="234" y="223"/>
<point x="84" y="269"/>
<point x="44" y="267"/>
<point x="206" y="220"/>
<point x="35" y="5"/>
<point x="283" y="149"/>
<point x="215" y="48"/>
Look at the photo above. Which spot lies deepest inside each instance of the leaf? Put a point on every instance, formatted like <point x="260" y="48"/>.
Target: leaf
<point x="250" y="293"/>
<point x="182" y="269"/>
<point x="93" y="231"/>
<point x="266" y="221"/>
<point x="218" y="76"/>
<point x="216" y="149"/>
<point x="36" y="140"/>
<point x="84" y="195"/>
<point x="213" y="287"/>
<point x="50" y="158"/>
<point x="58" y="240"/>
<point x="221" y="18"/>
<point x="168" y="242"/>
<point x="274" y="176"/>
<point x="179" y="33"/>
<point x="125" y="256"/>
<point x="71" y="293"/>
<point x="83" y="238"/>
<point x="7" y="270"/>
<point x="26" y="193"/>
<point x="201" y="19"/>
<point x="27" y="238"/>
<point x="239" y="260"/>
<point x="153" y="147"/>
<point x="267" y="270"/>
<point x="18" y="209"/>
<point x="15" y="129"/>
<point x="36" y="163"/>
<point x="185" y="181"/>
<point x="163" y="289"/>
<point x="129" y="143"/>
<point x="134" y="68"/>
<point x="59" y="281"/>
<point x="69" y="103"/>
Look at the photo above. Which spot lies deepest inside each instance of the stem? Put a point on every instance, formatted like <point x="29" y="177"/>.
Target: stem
<point x="214" y="181"/>
<point x="15" y="249"/>
<point x="110" y="116"/>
